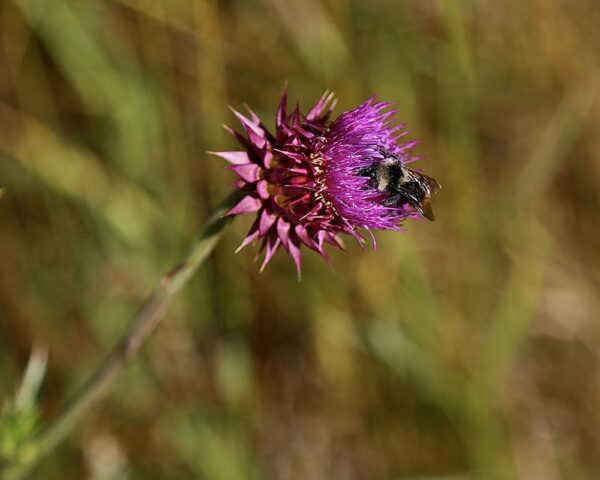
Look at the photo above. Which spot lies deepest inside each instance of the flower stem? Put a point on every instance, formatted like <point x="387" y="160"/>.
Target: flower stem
<point x="141" y="326"/>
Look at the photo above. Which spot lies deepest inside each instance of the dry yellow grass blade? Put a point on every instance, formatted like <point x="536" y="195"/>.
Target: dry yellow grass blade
<point x="76" y="173"/>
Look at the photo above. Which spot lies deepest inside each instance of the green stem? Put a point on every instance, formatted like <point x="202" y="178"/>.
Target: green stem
<point x="142" y="325"/>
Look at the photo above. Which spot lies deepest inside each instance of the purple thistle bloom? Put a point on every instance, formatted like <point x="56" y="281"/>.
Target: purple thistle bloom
<point x="303" y="181"/>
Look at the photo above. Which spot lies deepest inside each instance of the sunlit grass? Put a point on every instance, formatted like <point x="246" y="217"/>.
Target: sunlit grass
<point x="463" y="349"/>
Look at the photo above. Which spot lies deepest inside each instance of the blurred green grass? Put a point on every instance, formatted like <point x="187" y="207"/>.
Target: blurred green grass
<point x="466" y="348"/>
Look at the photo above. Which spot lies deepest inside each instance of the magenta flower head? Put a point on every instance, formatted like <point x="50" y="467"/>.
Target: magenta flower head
<point x="313" y="179"/>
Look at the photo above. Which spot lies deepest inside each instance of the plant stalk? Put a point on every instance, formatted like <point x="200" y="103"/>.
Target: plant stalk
<point x="141" y="326"/>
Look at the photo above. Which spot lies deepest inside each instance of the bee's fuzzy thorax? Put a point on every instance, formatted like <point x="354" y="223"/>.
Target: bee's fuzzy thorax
<point x="382" y="177"/>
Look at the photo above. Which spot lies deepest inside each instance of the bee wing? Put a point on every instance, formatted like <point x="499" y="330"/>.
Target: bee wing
<point x="425" y="209"/>
<point x="416" y="200"/>
<point x="429" y="184"/>
<point x="434" y="186"/>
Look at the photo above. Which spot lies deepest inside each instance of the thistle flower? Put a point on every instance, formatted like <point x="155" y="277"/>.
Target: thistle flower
<point x="303" y="181"/>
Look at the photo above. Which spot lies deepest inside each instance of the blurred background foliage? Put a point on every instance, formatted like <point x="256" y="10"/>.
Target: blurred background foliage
<point x="465" y="349"/>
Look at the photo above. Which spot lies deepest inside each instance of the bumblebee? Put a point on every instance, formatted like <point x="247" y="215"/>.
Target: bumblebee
<point x="401" y="184"/>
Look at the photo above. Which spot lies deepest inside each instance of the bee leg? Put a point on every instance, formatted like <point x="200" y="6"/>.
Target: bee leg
<point x="393" y="201"/>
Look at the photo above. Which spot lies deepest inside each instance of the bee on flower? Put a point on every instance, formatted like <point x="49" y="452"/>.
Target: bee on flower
<point x="313" y="178"/>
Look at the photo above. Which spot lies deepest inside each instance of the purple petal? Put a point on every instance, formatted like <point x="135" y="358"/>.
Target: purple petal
<point x="248" y="124"/>
<point x="235" y="158"/>
<point x="338" y="241"/>
<point x="372" y="238"/>
<point x="298" y="157"/>
<point x="262" y="188"/>
<point x="316" y="111"/>
<point x="246" y="205"/>
<point x="294" y="249"/>
<point x="281" y="115"/>
<point x="250" y="236"/>
<point x="283" y="230"/>
<point x="267" y="157"/>
<point x="267" y="219"/>
<point x="296" y="116"/>
<point x="243" y="141"/>
<point x="304" y="236"/>
<point x="253" y="116"/>
<point x="249" y="172"/>
<point x="257" y="141"/>
<point x="273" y="243"/>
